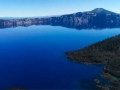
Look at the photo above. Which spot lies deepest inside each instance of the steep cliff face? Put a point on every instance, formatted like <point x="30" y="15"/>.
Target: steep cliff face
<point x="97" y="18"/>
<point x="22" y="22"/>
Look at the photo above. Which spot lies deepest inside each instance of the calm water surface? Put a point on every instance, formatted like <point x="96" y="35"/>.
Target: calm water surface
<point x="34" y="57"/>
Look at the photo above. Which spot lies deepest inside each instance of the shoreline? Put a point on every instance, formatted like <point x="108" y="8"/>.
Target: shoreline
<point x="105" y="53"/>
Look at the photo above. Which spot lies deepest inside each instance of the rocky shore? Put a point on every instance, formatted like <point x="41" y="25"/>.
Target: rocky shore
<point x="106" y="52"/>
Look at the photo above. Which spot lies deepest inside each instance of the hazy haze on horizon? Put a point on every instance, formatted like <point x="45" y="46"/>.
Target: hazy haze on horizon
<point x="32" y="8"/>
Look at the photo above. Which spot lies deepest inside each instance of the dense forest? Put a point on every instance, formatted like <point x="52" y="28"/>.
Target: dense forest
<point x="106" y="52"/>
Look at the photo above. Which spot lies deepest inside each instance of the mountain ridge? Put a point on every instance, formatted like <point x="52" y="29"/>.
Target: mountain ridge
<point x="97" y="18"/>
<point x="95" y="11"/>
<point x="102" y="11"/>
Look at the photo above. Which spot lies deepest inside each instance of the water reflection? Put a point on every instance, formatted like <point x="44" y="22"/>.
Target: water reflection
<point x="96" y="24"/>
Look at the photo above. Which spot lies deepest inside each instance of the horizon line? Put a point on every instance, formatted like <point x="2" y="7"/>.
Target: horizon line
<point x="49" y="15"/>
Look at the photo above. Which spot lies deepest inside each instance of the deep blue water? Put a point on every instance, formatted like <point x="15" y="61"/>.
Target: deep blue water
<point x="34" y="57"/>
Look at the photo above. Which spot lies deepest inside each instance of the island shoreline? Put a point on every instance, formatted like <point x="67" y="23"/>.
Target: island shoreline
<point x="105" y="53"/>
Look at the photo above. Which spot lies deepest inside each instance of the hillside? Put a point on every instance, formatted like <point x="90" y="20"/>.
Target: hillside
<point x="106" y="52"/>
<point x="98" y="18"/>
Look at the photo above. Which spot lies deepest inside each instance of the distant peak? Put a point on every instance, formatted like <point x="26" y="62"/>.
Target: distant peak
<point x="98" y="10"/>
<point x="102" y="11"/>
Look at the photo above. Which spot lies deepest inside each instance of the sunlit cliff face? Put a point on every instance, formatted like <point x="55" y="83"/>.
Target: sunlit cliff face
<point x="98" y="18"/>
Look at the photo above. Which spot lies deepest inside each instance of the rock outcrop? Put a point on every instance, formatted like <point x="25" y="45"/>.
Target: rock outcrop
<point x="98" y="18"/>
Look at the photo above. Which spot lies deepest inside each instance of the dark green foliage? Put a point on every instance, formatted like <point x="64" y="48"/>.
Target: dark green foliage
<point x="105" y="52"/>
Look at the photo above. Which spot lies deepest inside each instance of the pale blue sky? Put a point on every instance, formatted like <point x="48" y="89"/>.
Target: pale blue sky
<point x="30" y="8"/>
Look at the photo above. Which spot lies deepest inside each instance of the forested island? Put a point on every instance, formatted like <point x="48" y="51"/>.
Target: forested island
<point x="107" y="53"/>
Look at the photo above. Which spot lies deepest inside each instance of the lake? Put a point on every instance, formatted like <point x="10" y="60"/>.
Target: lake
<point x="34" y="57"/>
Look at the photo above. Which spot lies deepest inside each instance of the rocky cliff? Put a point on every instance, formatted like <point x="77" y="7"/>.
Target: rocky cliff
<point x="98" y="18"/>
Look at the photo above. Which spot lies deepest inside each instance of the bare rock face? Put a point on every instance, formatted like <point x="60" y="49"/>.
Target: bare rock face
<point x="98" y="18"/>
